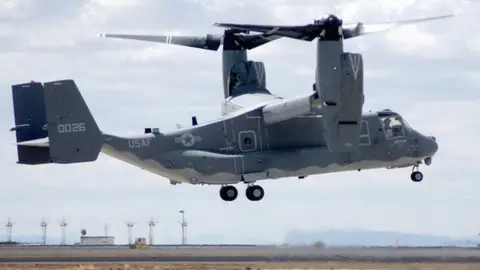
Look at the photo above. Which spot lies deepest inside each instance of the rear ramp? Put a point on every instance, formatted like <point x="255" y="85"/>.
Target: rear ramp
<point x="53" y="124"/>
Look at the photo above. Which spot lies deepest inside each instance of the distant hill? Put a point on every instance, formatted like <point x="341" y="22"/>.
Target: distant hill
<point x="373" y="238"/>
<point x="299" y="237"/>
<point x="9" y="243"/>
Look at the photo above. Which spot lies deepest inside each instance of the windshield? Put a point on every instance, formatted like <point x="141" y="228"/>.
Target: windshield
<point x="393" y="126"/>
<point x="406" y="124"/>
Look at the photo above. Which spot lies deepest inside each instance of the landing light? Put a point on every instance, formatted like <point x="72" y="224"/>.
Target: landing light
<point x="428" y="161"/>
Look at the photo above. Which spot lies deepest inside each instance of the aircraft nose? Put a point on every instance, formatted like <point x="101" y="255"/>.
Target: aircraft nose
<point x="431" y="145"/>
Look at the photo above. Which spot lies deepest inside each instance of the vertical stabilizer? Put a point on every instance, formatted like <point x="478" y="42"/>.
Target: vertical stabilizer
<point x="53" y="124"/>
<point x="73" y="133"/>
<point x="30" y="121"/>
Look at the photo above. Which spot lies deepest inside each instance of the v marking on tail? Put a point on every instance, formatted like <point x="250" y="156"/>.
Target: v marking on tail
<point x="355" y="64"/>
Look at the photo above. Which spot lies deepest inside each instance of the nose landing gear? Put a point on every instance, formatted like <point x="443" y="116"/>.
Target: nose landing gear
<point x="416" y="175"/>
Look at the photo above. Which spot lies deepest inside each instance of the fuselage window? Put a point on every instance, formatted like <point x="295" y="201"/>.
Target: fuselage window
<point x="364" y="134"/>
<point x="393" y="127"/>
<point x="364" y="128"/>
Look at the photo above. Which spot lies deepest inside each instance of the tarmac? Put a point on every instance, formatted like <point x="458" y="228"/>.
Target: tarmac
<point x="115" y="254"/>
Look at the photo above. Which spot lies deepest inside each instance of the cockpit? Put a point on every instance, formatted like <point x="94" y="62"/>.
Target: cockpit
<point x="393" y="124"/>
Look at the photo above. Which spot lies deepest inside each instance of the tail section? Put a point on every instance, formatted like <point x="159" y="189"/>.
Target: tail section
<point x="54" y="124"/>
<point x="30" y="122"/>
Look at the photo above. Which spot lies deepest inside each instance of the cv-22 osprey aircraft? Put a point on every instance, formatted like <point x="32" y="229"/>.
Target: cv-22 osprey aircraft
<point x="318" y="133"/>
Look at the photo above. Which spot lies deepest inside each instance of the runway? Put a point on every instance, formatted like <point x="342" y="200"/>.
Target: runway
<point x="114" y="254"/>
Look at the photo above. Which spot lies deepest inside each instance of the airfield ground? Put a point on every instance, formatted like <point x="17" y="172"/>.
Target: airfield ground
<point x="236" y="257"/>
<point x="238" y="266"/>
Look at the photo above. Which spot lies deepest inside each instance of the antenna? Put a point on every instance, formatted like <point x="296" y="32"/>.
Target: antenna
<point x="130" y="225"/>
<point x="43" y="225"/>
<point x="63" y="224"/>
<point x="151" y="223"/>
<point x="9" y="225"/>
<point x="105" y="227"/>
<point x="184" y="225"/>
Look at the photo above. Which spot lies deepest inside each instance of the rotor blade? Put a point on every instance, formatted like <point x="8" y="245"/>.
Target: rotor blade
<point x="208" y="42"/>
<point x="297" y="32"/>
<point x="358" y="29"/>
<point x="257" y="27"/>
<point x="253" y="41"/>
<point x="309" y="32"/>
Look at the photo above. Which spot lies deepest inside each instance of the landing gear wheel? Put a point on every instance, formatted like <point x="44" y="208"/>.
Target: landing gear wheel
<point x="254" y="193"/>
<point x="228" y="193"/>
<point x="416" y="176"/>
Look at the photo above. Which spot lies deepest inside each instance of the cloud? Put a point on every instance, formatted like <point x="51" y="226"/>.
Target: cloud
<point x="219" y="5"/>
<point x="11" y="9"/>
<point x="416" y="40"/>
<point x="428" y="73"/>
<point x="474" y="45"/>
<point x="116" y="3"/>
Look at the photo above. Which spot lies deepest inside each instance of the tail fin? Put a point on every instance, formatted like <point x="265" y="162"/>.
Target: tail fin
<point x="54" y="124"/>
<point x="30" y="122"/>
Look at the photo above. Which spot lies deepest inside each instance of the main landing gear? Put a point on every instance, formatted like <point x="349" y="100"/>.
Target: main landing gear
<point x="228" y="193"/>
<point x="416" y="175"/>
<point x="253" y="193"/>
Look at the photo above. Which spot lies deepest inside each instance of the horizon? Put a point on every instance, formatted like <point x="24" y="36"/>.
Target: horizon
<point x="56" y="240"/>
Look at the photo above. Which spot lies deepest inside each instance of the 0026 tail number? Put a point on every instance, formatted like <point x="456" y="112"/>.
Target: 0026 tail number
<point x="70" y="128"/>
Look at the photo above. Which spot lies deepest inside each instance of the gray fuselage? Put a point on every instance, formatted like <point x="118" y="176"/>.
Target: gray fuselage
<point x="241" y="147"/>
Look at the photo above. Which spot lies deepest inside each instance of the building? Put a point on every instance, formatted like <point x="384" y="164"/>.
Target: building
<point x="96" y="240"/>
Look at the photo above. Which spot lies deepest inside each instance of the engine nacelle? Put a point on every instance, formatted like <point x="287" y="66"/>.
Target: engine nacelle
<point x="249" y="73"/>
<point x="339" y="85"/>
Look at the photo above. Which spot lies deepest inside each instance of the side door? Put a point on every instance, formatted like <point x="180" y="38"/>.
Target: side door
<point x="365" y="144"/>
<point x="249" y="133"/>
<point x="243" y="134"/>
<point x="231" y="144"/>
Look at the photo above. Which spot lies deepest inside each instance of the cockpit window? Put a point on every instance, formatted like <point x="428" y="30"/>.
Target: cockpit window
<point x="393" y="127"/>
<point x="406" y="125"/>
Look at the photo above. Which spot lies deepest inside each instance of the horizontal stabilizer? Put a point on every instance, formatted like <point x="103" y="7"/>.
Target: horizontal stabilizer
<point x="38" y="143"/>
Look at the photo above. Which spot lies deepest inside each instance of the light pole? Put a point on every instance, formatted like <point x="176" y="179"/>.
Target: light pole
<point x="184" y="225"/>
<point x="9" y="226"/>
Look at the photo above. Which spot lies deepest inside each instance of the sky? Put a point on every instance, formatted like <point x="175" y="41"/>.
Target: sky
<point x="429" y="73"/>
